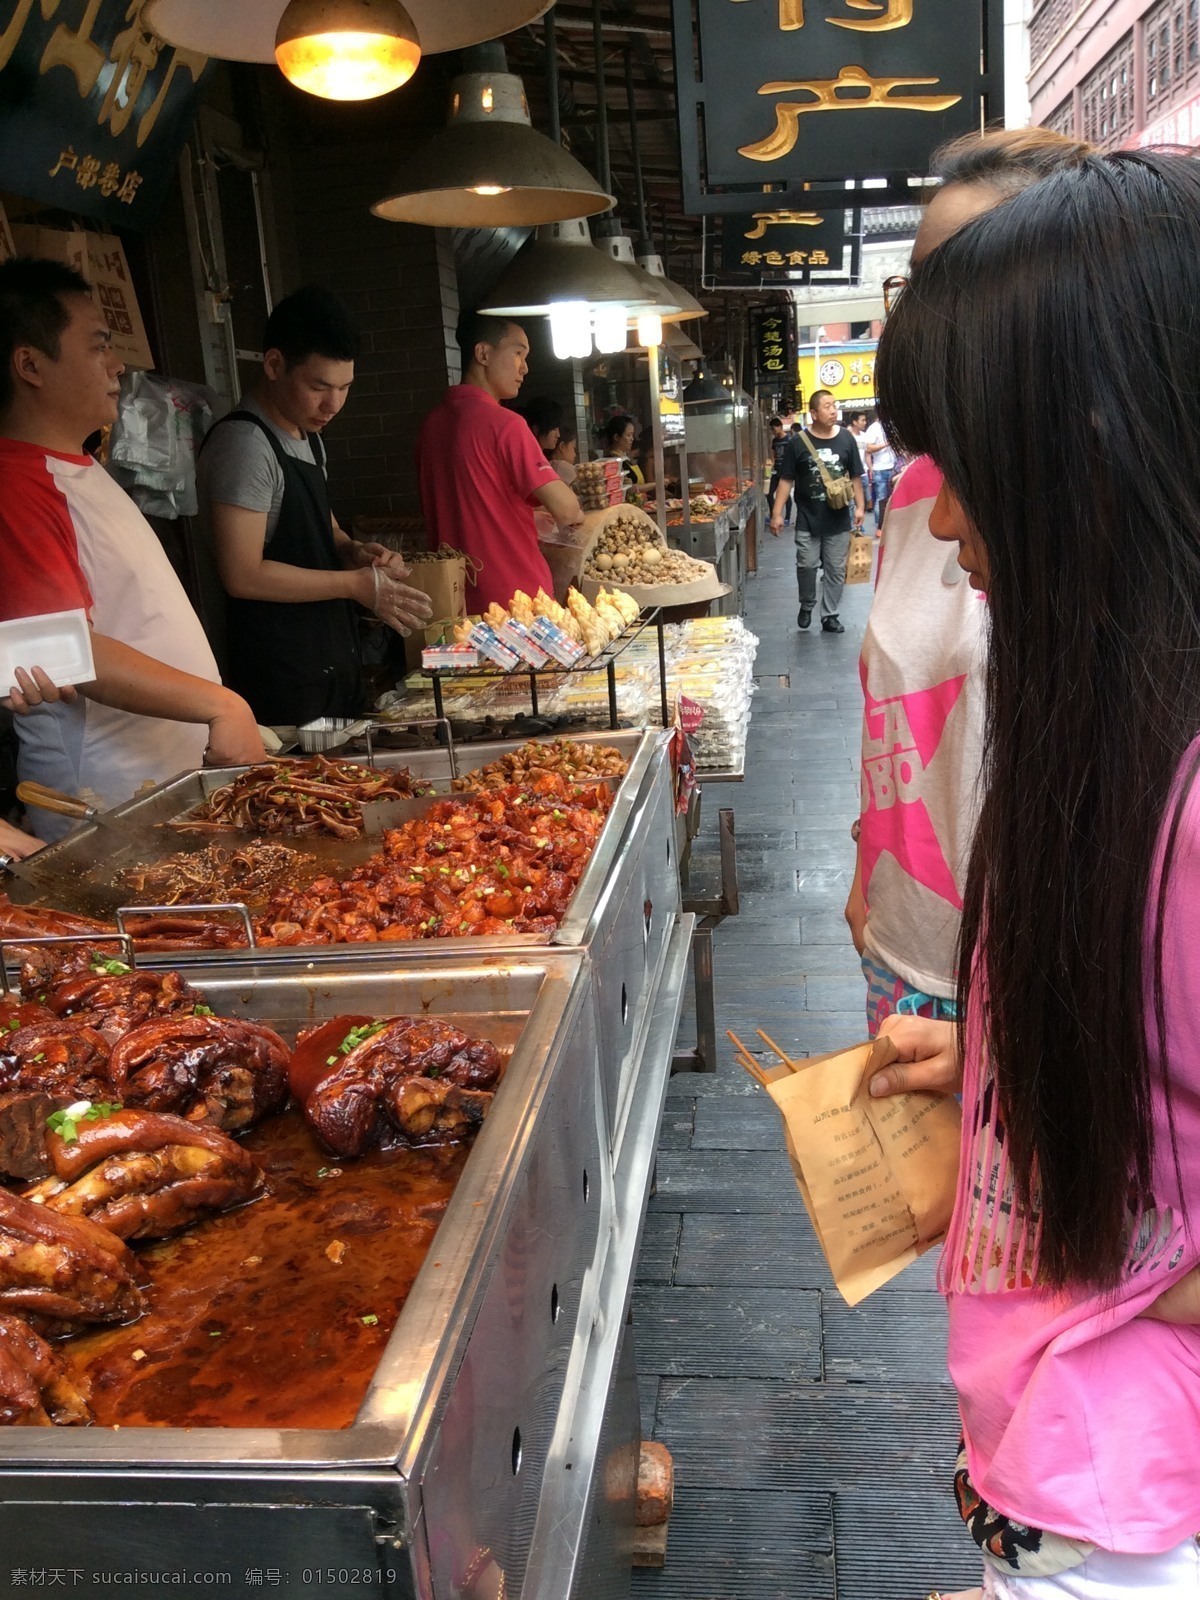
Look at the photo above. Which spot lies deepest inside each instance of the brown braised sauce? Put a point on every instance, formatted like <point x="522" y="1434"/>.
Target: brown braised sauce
<point x="255" y="1318"/>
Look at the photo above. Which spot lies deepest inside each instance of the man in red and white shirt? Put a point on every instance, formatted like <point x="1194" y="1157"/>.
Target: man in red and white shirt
<point x="482" y="471"/>
<point x="71" y="539"/>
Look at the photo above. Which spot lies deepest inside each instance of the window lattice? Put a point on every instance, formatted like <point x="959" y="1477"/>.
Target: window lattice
<point x="1172" y="54"/>
<point x="1106" y="96"/>
<point x="1062" y="118"/>
<point x="1048" y="22"/>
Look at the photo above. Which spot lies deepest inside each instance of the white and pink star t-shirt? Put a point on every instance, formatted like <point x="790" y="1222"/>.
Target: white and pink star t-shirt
<point x="71" y="539"/>
<point x="922" y="674"/>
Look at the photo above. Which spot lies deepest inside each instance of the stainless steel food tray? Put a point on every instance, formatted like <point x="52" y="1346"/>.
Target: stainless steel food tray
<point x="79" y="872"/>
<point x="447" y="1455"/>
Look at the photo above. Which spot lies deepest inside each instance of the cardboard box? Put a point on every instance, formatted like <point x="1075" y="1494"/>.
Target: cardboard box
<point x="100" y="257"/>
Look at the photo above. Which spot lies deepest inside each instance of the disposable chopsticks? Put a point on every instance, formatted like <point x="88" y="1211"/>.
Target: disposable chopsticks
<point x="747" y="1060"/>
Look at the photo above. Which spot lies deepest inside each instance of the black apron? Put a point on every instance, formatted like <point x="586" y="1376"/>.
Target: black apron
<point x="296" y="661"/>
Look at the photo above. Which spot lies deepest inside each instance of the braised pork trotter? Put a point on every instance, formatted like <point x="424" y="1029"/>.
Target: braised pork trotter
<point x="66" y="1269"/>
<point x="207" y="1069"/>
<point x="359" y="1104"/>
<point x="143" y="1175"/>
<point x="34" y="1390"/>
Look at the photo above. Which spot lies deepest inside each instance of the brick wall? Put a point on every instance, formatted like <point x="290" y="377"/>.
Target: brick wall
<point x="398" y="281"/>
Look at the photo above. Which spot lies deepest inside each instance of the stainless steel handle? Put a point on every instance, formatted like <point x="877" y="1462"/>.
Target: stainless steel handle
<point x="235" y="906"/>
<point x="16" y="942"/>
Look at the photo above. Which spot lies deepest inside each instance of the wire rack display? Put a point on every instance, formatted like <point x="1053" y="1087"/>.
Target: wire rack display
<point x="605" y="661"/>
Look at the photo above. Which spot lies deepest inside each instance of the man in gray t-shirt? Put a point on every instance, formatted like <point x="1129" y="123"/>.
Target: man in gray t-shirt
<point x="290" y="574"/>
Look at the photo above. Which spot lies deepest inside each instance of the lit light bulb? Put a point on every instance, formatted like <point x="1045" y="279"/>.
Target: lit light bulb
<point x="347" y="49"/>
<point x="571" y="329"/>
<point x="610" y="325"/>
<point x="491" y="188"/>
<point x="649" y="329"/>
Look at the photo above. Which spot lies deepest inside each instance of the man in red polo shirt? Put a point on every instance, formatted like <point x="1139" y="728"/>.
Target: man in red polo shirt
<point x="482" y="471"/>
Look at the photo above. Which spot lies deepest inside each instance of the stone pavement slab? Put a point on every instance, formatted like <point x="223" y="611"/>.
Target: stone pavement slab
<point x="814" y="1443"/>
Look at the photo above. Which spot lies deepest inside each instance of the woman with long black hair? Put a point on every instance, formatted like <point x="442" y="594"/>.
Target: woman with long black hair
<point x="1063" y="328"/>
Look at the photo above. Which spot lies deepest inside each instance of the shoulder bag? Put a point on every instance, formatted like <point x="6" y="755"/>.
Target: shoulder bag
<point x="839" y="492"/>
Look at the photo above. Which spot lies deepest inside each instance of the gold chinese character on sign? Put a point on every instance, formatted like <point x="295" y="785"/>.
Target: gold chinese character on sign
<point x="794" y="219"/>
<point x="842" y="93"/>
<point x="885" y="15"/>
<point x="88" y="174"/>
<point x="16" y="26"/>
<point x="130" y="184"/>
<point x="186" y="60"/>
<point x="791" y="14"/>
<point x="75" y="49"/>
<point x="110" y="179"/>
<point x="68" y="161"/>
<point x="773" y="258"/>
<point x="797" y="258"/>
<point x="134" y="55"/>
<point x="819" y="258"/>
<point x="889" y="14"/>
<point x="751" y="258"/>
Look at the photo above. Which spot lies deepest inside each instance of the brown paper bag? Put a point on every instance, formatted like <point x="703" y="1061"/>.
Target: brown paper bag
<point x="877" y="1177"/>
<point x="444" y="580"/>
<point x="858" y="562"/>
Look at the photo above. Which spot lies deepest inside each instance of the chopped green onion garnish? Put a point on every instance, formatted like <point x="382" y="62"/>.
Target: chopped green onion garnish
<point x="203" y="1011"/>
<point x="370" y="1320"/>
<point x="357" y="1035"/>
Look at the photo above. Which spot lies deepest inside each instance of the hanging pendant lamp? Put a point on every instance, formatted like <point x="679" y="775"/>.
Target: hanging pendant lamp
<point x="347" y="49"/>
<point x="654" y="293"/>
<point x="490" y="168"/>
<point x="559" y="264"/>
<point x="689" y="306"/>
<point x="244" y="30"/>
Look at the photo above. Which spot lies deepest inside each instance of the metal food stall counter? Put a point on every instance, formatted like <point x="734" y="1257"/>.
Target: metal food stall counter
<point x="494" y="1453"/>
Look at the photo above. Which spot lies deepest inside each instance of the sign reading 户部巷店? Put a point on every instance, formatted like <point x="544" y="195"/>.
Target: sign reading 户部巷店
<point x="787" y="92"/>
<point x="94" y="107"/>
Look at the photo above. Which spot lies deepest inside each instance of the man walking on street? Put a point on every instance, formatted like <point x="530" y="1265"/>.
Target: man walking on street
<point x="779" y="443"/>
<point x="879" y="468"/>
<point x="856" y="421"/>
<point x="823" y="468"/>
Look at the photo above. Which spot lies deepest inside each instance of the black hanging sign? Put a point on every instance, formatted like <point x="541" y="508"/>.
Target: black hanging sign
<point x="774" y="246"/>
<point x="775" y="344"/>
<point x="94" y="107"/>
<point x="782" y="92"/>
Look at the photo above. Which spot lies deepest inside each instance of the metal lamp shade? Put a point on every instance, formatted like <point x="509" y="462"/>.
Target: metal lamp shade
<point x="680" y="344"/>
<point x="654" y="294"/>
<point x="244" y="30"/>
<point x="489" y="169"/>
<point x="689" y="306"/>
<point x="561" y="263"/>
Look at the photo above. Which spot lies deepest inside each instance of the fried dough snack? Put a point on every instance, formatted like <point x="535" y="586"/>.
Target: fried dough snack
<point x="487" y="864"/>
<point x="66" y="1269"/>
<point x="316" y="795"/>
<point x="142" y="1175"/>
